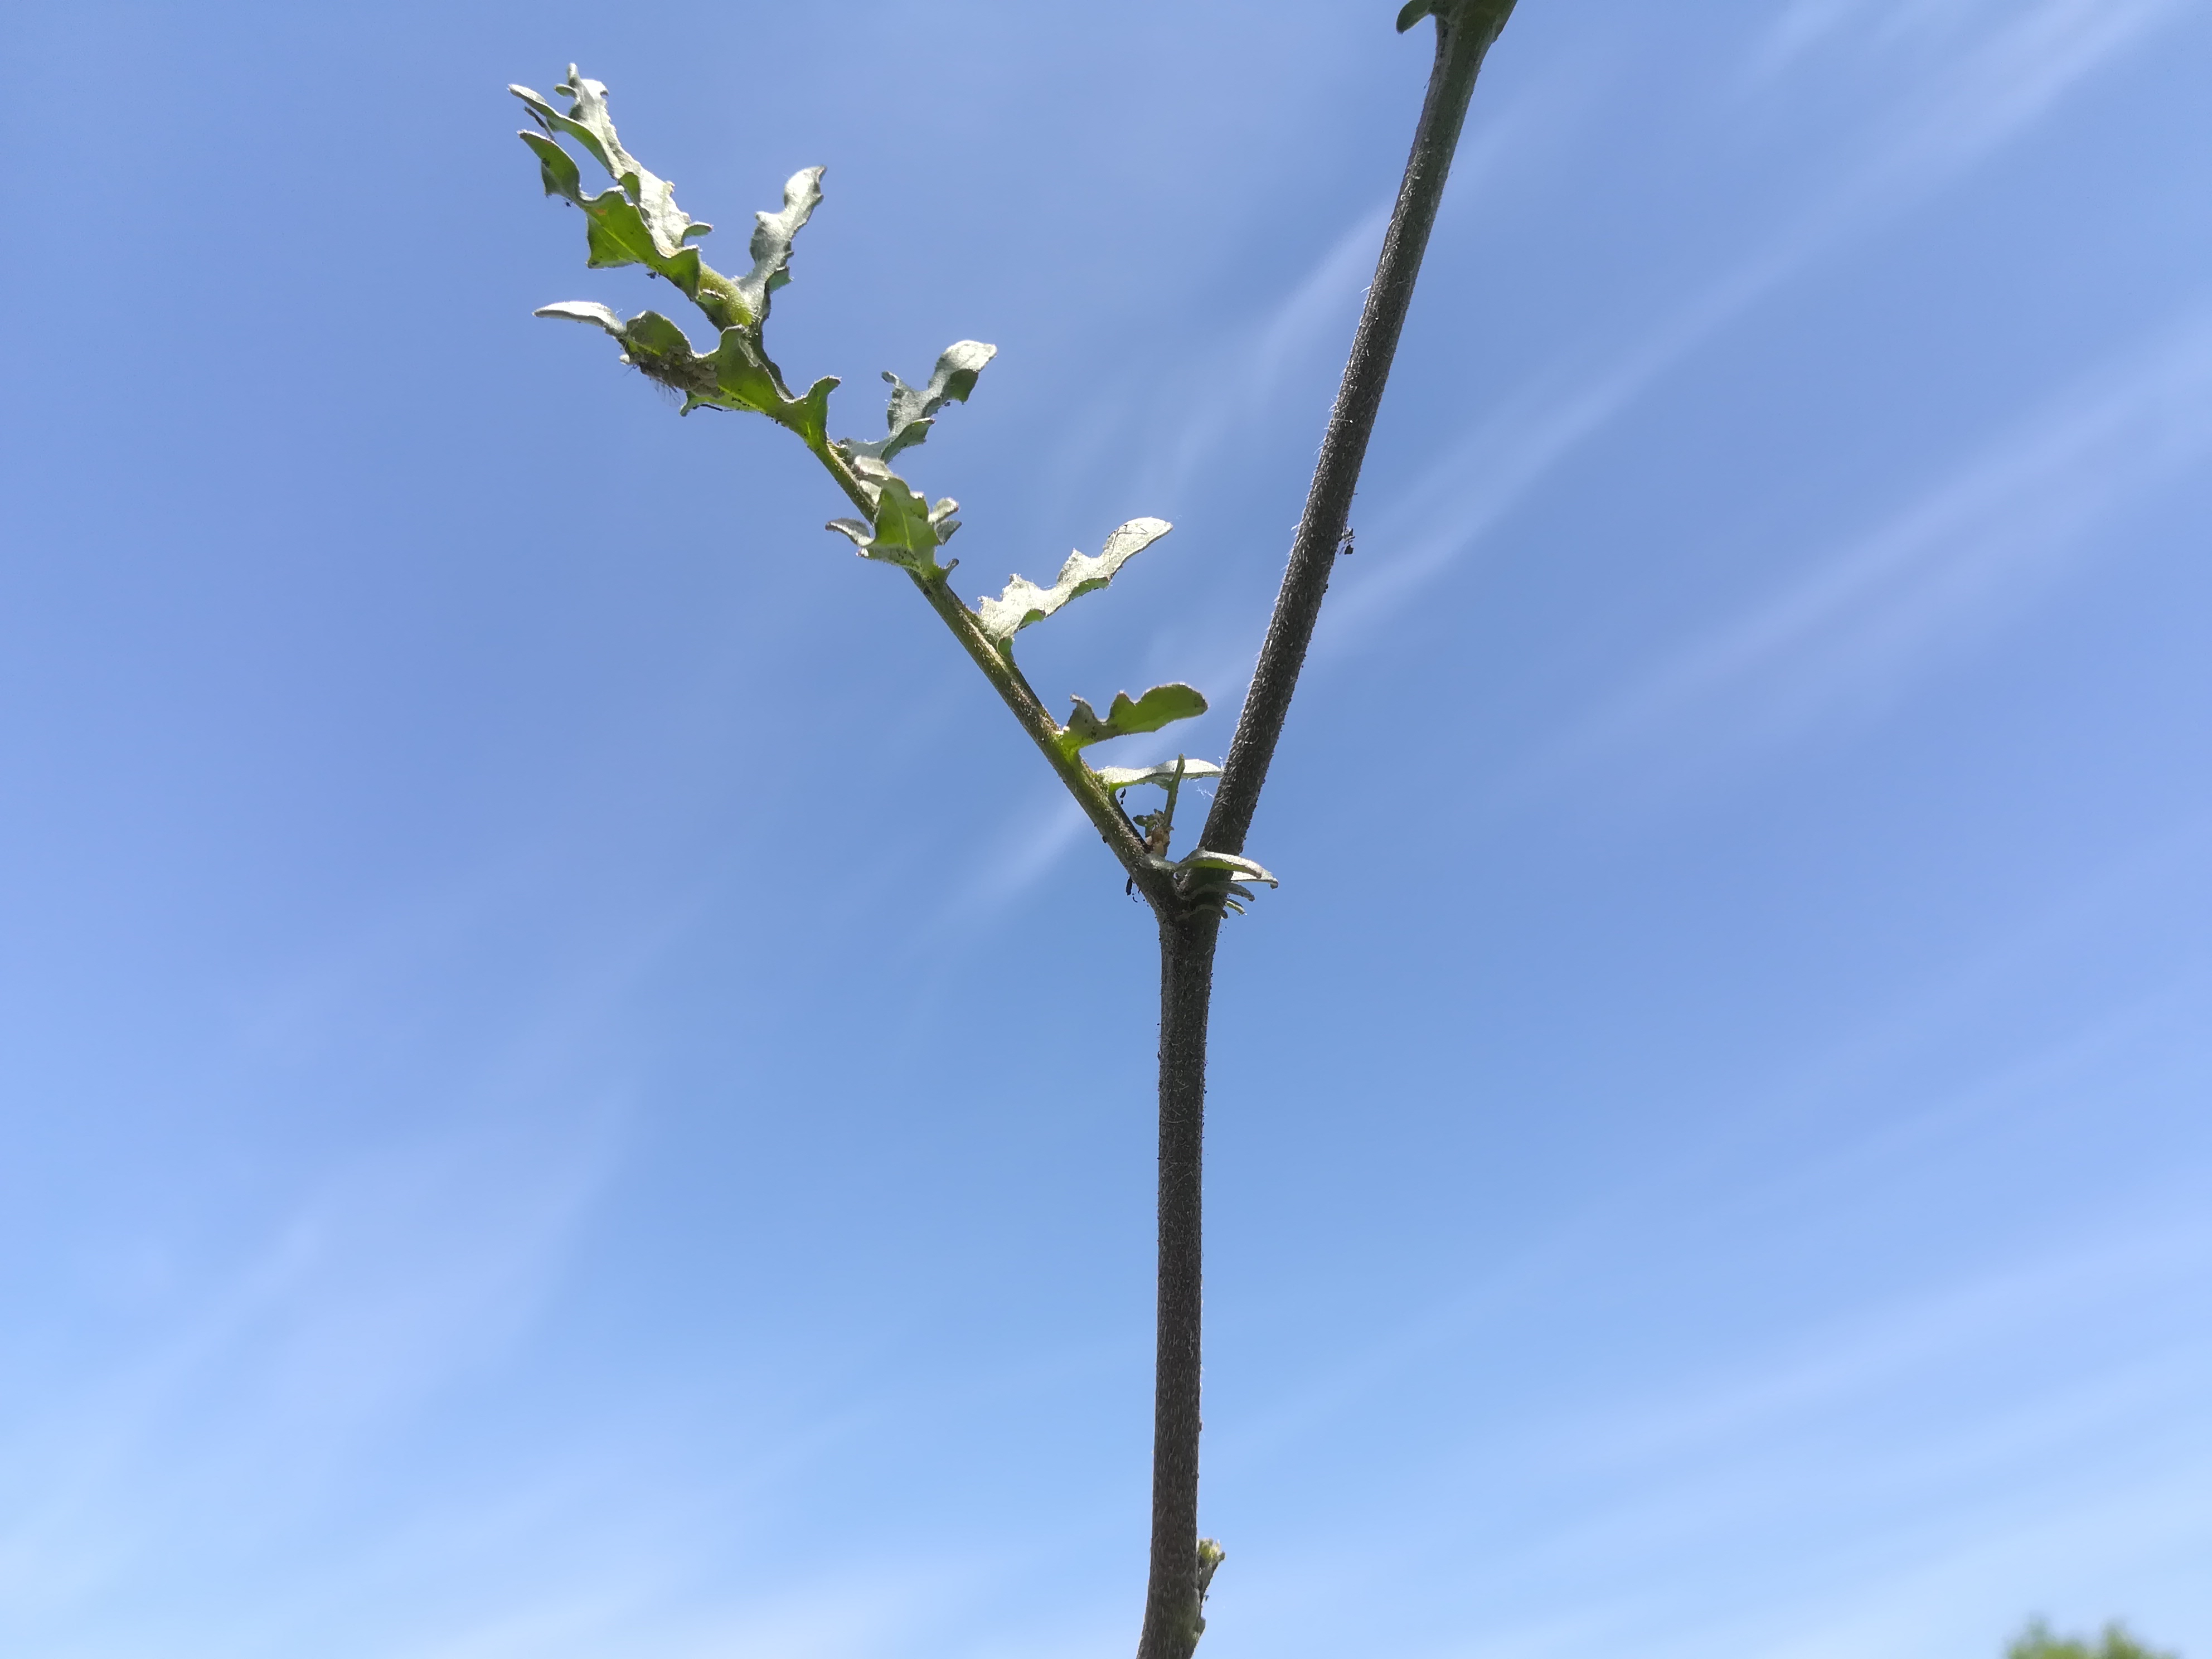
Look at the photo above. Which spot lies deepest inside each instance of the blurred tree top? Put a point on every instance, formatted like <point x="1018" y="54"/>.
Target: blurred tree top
<point x="2037" y="1642"/>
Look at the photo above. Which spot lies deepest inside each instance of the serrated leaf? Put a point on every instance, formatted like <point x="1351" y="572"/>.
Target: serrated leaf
<point x="909" y="419"/>
<point x="1157" y="708"/>
<point x="636" y="222"/>
<point x="1024" y="601"/>
<point x="735" y="377"/>
<point x="745" y="379"/>
<point x="906" y="531"/>
<point x="771" y="243"/>
<point x="588" y="122"/>
<point x="1128" y="777"/>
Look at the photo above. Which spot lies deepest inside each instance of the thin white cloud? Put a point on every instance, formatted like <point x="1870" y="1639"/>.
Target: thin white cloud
<point x="1241" y="388"/>
<point x="1301" y="336"/>
<point x="1938" y="577"/>
<point x="1015" y="859"/>
<point x="1962" y="107"/>
<point x="404" y="1272"/>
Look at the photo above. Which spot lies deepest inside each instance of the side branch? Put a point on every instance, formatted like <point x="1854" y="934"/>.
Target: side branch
<point x="1013" y="687"/>
<point x="1464" y="33"/>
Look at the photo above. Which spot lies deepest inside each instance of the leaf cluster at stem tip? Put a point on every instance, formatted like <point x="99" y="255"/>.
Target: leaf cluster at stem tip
<point x="636" y="221"/>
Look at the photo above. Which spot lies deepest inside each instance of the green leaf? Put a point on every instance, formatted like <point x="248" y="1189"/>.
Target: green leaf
<point x="585" y="311"/>
<point x="906" y="532"/>
<point x="1155" y="709"/>
<point x="736" y="376"/>
<point x="555" y="165"/>
<point x="745" y="379"/>
<point x="1235" y="866"/>
<point x="1128" y="777"/>
<point x="588" y="122"/>
<point x="1025" y="602"/>
<point x="1490" y="14"/>
<point x="908" y="420"/>
<point x="771" y="244"/>
<point x="638" y="221"/>
<point x="652" y="345"/>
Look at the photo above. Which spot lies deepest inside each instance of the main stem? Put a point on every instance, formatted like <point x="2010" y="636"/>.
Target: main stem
<point x="1172" y="1620"/>
<point x="1188" y="932"/>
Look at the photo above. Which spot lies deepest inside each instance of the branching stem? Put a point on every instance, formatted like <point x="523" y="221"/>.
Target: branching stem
<point x="1013" y="686"/>
<point x="1175" y="1593"/>
<point x="1186" y="902"/>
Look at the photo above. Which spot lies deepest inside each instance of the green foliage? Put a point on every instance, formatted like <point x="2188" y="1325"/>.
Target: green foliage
<point x="1155" y="709"/>
<point x="771" y="244"/>
<point x="909" y="418"/>
<point x="1024" y="601"/>
<point x="636" y="221"/>
<point x="2037" y="1642"/>
<point x="906" y="532"/>
<point x="1125" y="777"/>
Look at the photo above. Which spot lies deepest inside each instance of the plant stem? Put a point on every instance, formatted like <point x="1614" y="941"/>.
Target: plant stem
<point x="1465" y="30"/>
<point x="1172" y="1620"/>
<point x="1013" y="687"/>
<point x="1464" y="33"/>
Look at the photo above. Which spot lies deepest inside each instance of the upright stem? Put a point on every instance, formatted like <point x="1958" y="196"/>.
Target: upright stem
<point x="1172" y="1620"/>
<point x="1464" y="33"/>
<point x="1189" y="926"/>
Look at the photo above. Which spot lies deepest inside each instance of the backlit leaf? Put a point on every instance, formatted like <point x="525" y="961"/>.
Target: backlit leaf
<point x="1243" y="867"/>
<point x="1025" y="602"/>
<point x="771" y="244"/>
<point x="1155" y="709"/>
<point x="909" y="419"/>
<point x="638" y="221"/>
<point x="906" y="532"/>
<point x="736" y="376"/>
<point x="1127" y="777"/>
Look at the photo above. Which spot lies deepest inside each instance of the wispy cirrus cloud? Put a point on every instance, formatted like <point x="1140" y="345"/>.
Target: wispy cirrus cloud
<point x="1970" y="553"/>
<point x="1987" y="82"/>
<point x="384" y="1283"/>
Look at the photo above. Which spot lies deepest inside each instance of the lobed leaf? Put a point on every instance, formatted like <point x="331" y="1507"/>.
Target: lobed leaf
<point x="638" y="221"/>
<point x="735" y="376"/>
<point x="906" y="532"/>
<point x="1157" y="708"/>
<point x="1024" y="601"/>
<point x="1128" y="777"/>
<point x="909" y="418"/>
<point x="772" y="240"/>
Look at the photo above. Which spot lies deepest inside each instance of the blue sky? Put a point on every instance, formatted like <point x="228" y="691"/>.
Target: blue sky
<point x="571" y="1088"/>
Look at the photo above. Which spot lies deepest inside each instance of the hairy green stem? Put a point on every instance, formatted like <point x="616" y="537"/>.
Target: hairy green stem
<point x="1013" y="686"/>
